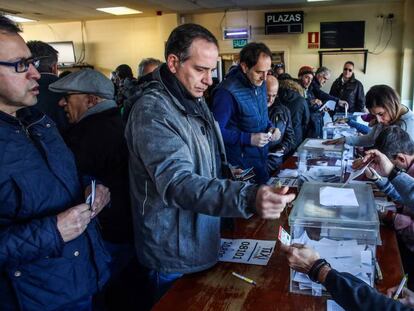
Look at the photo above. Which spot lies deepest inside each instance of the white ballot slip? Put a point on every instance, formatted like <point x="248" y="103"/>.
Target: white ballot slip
<point x="333" y="306"/>
<point x="330" y="104"/>
<point x="247" y="251"/>
<point x="334" y="196"/>
<point x="283" y="236"/>
<point x="91" y="197"/>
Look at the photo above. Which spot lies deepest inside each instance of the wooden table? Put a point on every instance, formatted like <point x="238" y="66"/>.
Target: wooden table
<point x="216" y="289"/>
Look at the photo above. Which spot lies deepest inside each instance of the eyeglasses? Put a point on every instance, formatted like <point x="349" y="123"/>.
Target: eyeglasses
<point x="22" y="65"/>
<point x="67" y="95"/>
<point x="348" y="69"/>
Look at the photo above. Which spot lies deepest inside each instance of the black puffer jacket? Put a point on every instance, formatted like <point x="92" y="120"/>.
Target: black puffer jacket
<point x="352" y="91"/>
<point x="291" y="95"/>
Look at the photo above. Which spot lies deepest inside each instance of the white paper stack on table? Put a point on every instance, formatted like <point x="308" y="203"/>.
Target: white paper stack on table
<point x="343" y="256"/>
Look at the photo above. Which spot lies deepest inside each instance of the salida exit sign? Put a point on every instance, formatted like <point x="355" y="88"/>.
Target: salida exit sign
<point x="239" y="43"/>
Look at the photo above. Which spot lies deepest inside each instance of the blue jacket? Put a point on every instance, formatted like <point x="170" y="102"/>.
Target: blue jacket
<point x="38" y="180"/>
<point x="240" y="108"/>
<point x="353" y="294"/>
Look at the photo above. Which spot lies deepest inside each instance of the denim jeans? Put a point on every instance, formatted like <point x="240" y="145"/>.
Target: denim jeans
<point x="160" y="283"/>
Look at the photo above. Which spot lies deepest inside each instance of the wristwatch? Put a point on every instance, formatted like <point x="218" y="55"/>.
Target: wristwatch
<point x="395" y="171"/>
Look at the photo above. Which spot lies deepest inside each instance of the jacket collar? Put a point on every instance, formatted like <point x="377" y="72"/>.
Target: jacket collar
<point x="102" y="106"/>
<point x="25" y="116"/>
<point x="180" y="96"/>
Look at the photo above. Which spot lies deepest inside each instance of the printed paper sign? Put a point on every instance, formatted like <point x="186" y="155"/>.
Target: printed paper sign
<point x="283" y="236"/>
<point x="252" y="252"/>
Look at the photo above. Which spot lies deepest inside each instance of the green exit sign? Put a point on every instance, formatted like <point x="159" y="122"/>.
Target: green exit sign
<point x="239" y="43"/>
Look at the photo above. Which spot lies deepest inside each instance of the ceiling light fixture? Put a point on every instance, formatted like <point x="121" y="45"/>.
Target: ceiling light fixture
<point x="19" y="19"/>
<point x="119" y="10"/>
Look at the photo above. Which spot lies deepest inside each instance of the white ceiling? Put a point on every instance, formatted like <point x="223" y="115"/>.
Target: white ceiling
<point x="71" y="10"/>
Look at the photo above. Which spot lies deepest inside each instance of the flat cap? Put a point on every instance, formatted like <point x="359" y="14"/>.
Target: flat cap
<point x="87" y="81"/>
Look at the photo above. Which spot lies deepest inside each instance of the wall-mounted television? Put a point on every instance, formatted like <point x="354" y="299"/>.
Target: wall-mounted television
<point x="66" y="52"/>
<point x="342" y="35"/>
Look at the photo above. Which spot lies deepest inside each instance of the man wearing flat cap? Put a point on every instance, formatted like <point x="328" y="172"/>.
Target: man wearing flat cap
<point x="97" y="141"/>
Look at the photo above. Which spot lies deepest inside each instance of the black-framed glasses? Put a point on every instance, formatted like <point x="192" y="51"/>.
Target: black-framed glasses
<point x="348" y="69"/>
<point x="22" y="65"/>
<point x="67" y="95"/>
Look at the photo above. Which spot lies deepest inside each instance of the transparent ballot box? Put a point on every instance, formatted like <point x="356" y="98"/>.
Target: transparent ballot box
<point x="318" y="162"/>
<point x="333" y="131"/>
<point x="342" y="225"/>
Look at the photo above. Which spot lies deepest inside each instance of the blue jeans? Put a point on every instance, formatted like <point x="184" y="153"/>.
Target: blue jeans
<point x="160" y="283"/>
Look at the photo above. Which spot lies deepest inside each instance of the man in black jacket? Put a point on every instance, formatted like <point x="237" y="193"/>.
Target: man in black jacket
<point x="97" y="140"/>
<point x="347" y="88"/>
<point x="47" y="101"/>
<point x="279" y="115"/>
<point x="290" y="94"/>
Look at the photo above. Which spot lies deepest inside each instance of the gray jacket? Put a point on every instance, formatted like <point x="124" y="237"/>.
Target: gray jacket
<point x="176" y="192"/>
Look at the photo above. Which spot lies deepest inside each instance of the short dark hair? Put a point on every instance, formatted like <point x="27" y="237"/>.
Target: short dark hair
<point x="7" y="25"/>
<point x="349" y="63"/>
<point x="49" y="56"/>
<point x="251" y="52"/>
<point x="145" y="62"/>
<point x="124" y="71"/>
<point x="182" y="37"/>
<point x="393" y="140"/>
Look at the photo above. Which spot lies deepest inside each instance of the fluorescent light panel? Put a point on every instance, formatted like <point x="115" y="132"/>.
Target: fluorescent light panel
<point x="119" y="10"/>
<point x="19" y="19"/>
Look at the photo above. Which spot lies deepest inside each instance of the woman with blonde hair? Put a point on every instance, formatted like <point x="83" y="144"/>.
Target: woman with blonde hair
<point x="384" y="103"/>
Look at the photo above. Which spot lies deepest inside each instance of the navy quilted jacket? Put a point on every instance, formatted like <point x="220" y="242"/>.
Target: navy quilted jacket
<point x="38" y="180"/>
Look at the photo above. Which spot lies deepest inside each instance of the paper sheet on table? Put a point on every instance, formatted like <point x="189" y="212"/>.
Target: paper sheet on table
<point x="288" y="173"/>
<point x="247" y="251"/>
<point x="355" y="173"/>
<point x="330" y="104"/>
<point x="317" y="143"/>
<point x="333" y="306"/>
<point x="333" y="196"/>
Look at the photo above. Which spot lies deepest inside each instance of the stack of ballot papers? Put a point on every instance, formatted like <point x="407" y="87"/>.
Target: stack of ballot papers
<point x="343" y="256"/>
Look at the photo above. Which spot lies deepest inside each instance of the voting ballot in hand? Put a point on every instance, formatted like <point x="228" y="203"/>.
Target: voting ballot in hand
<point x="91" y="197"/>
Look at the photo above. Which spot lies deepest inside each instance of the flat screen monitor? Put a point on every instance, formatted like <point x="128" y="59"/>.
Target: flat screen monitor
<point x="66" y="52"/>
<point x="342" y="35"/>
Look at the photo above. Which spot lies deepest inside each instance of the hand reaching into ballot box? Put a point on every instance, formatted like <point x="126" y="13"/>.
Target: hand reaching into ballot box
<point x="271" y="201"/>
<point x="300" y="257"/>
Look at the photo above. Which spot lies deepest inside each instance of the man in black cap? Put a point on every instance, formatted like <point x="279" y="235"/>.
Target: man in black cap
<point x="97" y="141"/>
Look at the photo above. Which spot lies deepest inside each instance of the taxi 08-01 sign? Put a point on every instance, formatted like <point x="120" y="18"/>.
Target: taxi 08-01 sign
<point x="254" y="252"/>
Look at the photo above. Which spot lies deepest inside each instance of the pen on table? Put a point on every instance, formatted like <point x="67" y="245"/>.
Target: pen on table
<point x="400" y="287"/>
<point x="379" y="272"/>
<point x="241" y="277"/>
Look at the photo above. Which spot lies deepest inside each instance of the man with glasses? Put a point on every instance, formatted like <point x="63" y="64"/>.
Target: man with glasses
<point x="51" y="256"/>
<point x="96" y="138"/>
<point x="322" y="75"/>
<point x="349" y="89"/>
